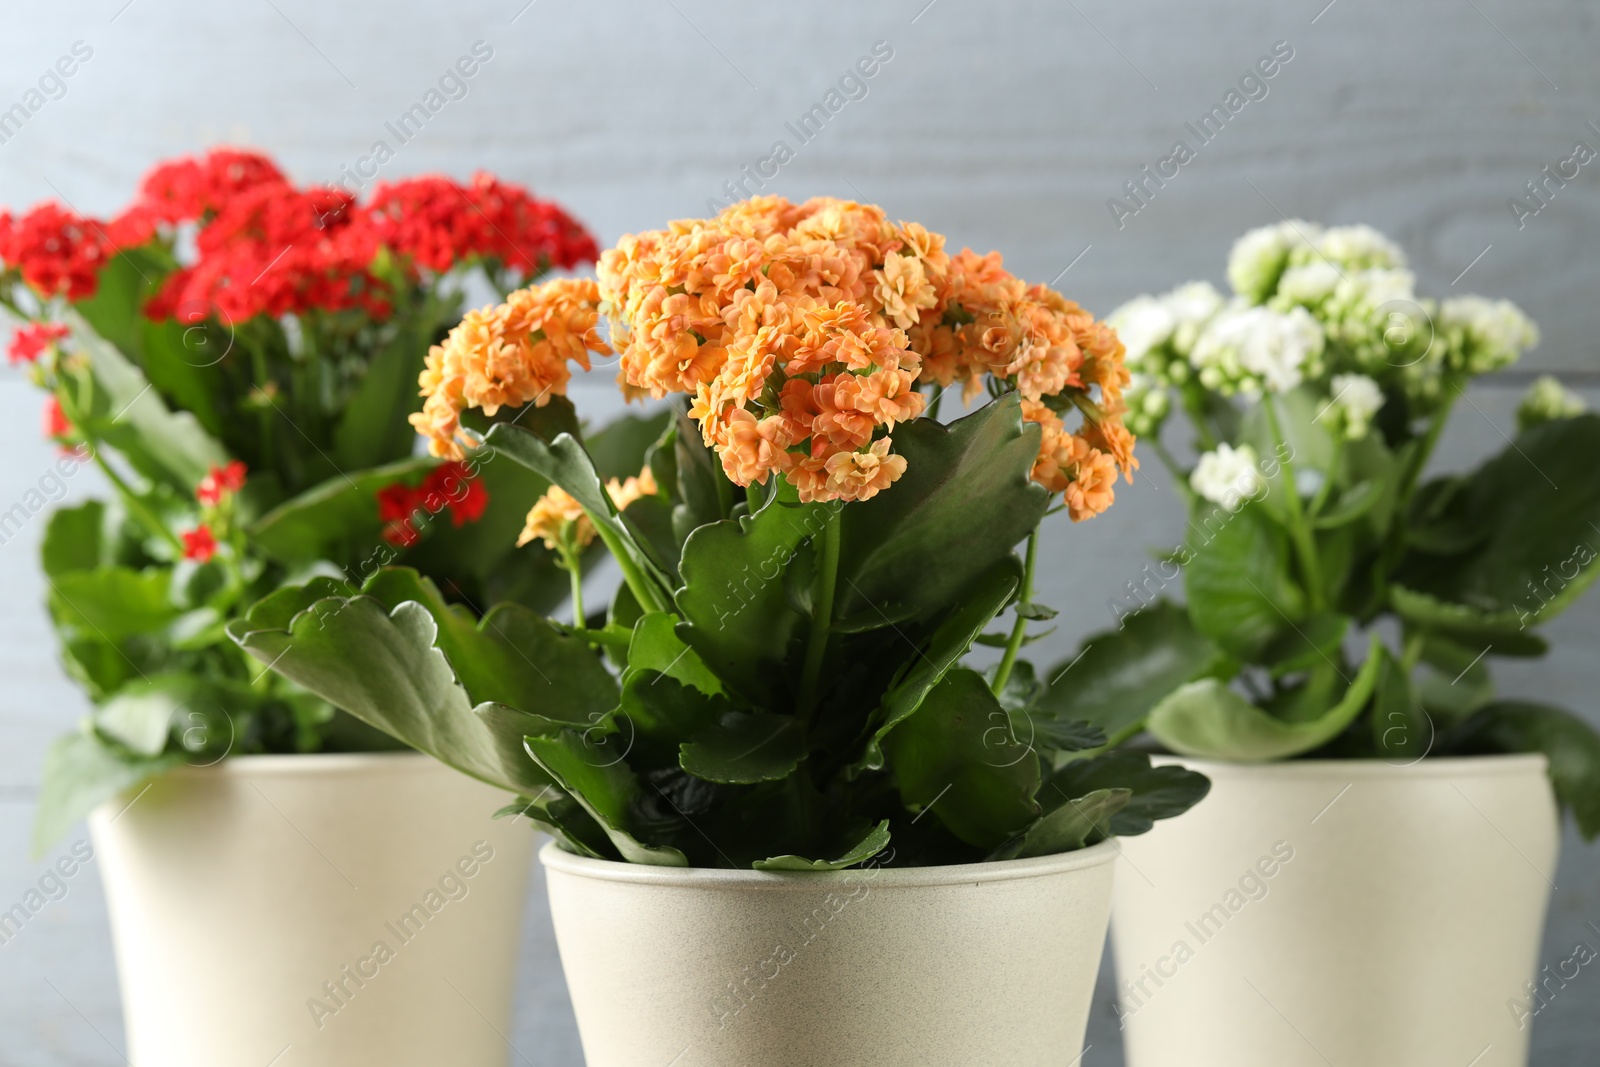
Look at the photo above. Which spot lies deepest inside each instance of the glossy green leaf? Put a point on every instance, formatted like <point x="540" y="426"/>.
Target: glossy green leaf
<point x="1078" y="822"/>
<point x="1238" y="579"/>
<point x="1155" y="792"/>
<point x="1401" y="729"/>
<point x="606" y="791"/>
<point x="336" y="520"/>
<point x="1119" y="675"/>
<point x="964" y="502"/>
<point x="74" y="539"/>
<point x="742" y="748"/>
<point x="113" y="603"/>
<point x="957" y="756"/>
<point x="81" y="773"/>
<point x="872" y="842"/>
<point x="656" y="646"/>
<point x="1209" y="720"/>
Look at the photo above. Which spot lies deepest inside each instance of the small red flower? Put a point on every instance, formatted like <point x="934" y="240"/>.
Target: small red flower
<point x="57" y="252"/>
<point x="198" y="544"/>
<point x="30" y="341"/>
<point x="55" y="420"/>
<point x="220" y="482"/>
<point x="449" y="485"/>
<point x="396" y="504"/>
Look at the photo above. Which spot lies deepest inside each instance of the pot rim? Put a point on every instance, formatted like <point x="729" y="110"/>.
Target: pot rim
<point x="1425" y="767"/>
<point x="310" y="763"/>
<point x="553" y="856"/>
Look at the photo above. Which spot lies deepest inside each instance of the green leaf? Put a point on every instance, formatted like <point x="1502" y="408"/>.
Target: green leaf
<point x="81" y="773"/>
<point x="607" y="792"/>
<point x="1313" y="643"/>
<point x="950" y="642"/>
<point x="386" y="669"/>
<point x="870" y="844"/>
<point x="564" y="462"/>
<point x="1454" y="680"/>
<point x="113" y="603"/>
<point x="337" y="519"/>
<point x="1505" y="631"/>
<point x="746" y="748"/>
<point x="127" y="414"/>
<point x="1539" y="500"/>
<point x="1207" y="719"/>
<point x="704" y="493"/>
<point x="1571" y="744"/>
<point x="958" y="757"/>
<point x="140" y="715"/>
<point x="1240" y="591"/>
<point x="1401" y="729"/>
<point x="661" y="712"/>
<point x="1352" y="504"/>
<point x="618" y="451"/>
<point x="73" y="539"/>
<point x="1119" y="675"/>
<point x="737" y="616"/>
<point x="1155" y="792"/>
<point x="373" y="428"/>
<point x="965" y="501"/>
<point x="1078" y="822"/>
<point x="656" y="646"/>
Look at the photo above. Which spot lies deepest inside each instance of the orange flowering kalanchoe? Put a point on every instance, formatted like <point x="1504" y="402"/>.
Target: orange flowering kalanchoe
<point x="804" y="334"/>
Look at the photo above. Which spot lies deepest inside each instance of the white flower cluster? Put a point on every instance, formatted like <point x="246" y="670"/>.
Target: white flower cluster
<point x="1261" y="258"/>
<point x="1251" y="350"/>
<point x="1547" y="400"/>
<point x="1228" y="476"/>
<point x="1354" y="402"/>
<point x="1158" y="333"/>
<point x="1485" y="335"/>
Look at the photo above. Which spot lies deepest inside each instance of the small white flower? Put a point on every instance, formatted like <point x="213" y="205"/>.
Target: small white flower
<point x="1142" y="324"/>
<point x="1355" y="401"/>
<point x="1308" y="284"/>
<point x="1485" y="335"/>
<point x="1359" y="248"/>
<point x="1547" y="400"/>
<point x="1191" y="307"/>
<point x="1228" y="476"/>
<point x="1258" y="258"/>
<point x="1250" y="349"/>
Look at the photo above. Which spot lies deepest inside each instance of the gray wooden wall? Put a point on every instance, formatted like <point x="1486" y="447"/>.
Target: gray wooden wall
<point x="1003" y="123"/>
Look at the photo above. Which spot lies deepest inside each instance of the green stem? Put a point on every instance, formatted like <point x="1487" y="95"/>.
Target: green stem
<point x="576" y="573"/>
<point x="1430" y="440"/>
<point x="1299" y="530"/>
<point x="136" y="505"/>
<point x="1412" y="653"/>
<point x="752" y="497"/>
<point x="645" y="591"/>
<point x="821" y="614"/>
<point x="933" y="405"/>
<point x="1019" y="629"/>
<point x="1325" y="490"/>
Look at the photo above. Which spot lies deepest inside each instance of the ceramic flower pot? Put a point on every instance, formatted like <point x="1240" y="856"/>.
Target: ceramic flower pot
<point x="934" y="966"/>
<point x="1345" y="912"/>
<point x="314" y="911"/>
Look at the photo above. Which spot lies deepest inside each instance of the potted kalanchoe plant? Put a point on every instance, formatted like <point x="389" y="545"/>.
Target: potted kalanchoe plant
<point x="237" y="356"/>
<point x="785" y="813"/>
<point x="1329" y="668"/>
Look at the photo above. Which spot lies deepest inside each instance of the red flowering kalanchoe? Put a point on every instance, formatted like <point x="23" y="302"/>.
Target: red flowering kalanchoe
<point x="28" y="343"/>
<point x="199" y="544"/>
<point x="56" y="424"/>
<point x="220" y="482"/>
<point x="448" y="486"/>
<point x="57" y="252"/>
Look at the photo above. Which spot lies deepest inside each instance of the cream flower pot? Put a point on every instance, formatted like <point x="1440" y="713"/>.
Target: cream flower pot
<point x="988" y="963"/>
<point x="314" y="911"/>
<point x="1338" y="912"/>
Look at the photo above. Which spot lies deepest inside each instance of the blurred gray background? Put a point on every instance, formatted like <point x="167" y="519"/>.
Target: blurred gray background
<point x="1001" y="123"/>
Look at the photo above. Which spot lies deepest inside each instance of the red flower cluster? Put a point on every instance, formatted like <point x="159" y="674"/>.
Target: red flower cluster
<point x="276" y="251"/>
<point x="199" y="544"/>
<point x="30" y="341"/>
<point x="58" y="253"/>
<point x="56" y="424"/>
<point x="449" y="485"/>
<point x="438" y="223"/>
<point x="219" y="482"/>
<point x="267" y="248"/>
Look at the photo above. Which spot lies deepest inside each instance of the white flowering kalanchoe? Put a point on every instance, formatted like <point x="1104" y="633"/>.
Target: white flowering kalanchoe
<point x="1260" y="256"/>
<point x="1143" y="325"/>
<point x="1547" y="400"/>
<point x="1375" y="323"/>
<point x="1191" y="306"/>
<point x="1228" y="476"/>
<point x="1251" y="350"/>
<point x="1354" y="401"/>
<point x="1483" y="335"/>
<point x="1351" y="248"/>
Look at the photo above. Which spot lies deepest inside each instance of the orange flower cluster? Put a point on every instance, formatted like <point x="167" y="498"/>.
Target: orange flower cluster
<point x="508" y="355"/>
<point x="548" y="520"/>
<point x="803" y="334"/>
